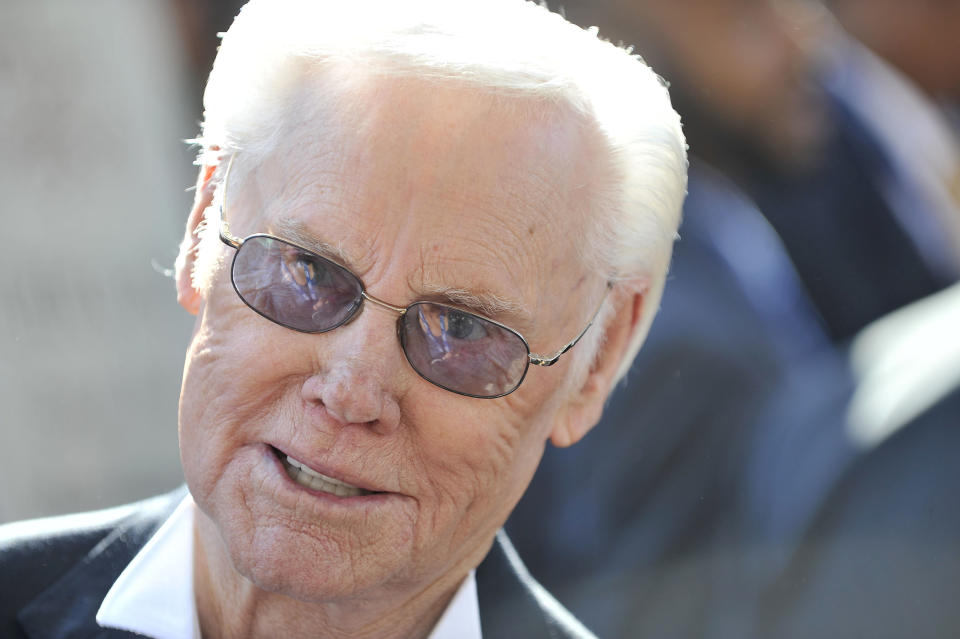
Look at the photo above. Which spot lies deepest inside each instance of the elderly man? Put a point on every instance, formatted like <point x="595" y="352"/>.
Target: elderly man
<point x="404" y="218"/>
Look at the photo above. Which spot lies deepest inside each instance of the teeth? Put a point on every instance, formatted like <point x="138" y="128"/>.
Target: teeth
<point x="308" y="477"/>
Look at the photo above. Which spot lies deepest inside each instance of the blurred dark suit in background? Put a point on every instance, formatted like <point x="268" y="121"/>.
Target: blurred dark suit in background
<point x="875" y="554"/>
<point x="732" y="490"/>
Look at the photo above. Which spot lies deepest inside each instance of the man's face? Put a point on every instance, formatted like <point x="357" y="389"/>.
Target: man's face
<point x="427" y="193"/>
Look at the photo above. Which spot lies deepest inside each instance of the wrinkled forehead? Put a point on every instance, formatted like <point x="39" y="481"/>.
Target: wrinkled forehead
<point x="503" y="182"/>
<point x="447" y="130"/>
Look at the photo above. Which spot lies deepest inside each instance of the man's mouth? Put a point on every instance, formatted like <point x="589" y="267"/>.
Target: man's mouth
<point x="309" y="478"/>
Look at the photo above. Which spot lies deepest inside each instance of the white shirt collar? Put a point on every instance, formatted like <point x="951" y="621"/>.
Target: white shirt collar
<point x="153" y="596"/>
<point x="461" y="619"/>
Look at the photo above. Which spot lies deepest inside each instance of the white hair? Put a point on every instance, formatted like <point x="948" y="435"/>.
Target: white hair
<point x="513" y="47"/>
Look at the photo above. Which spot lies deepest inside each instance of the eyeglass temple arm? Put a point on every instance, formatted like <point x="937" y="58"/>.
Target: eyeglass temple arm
<point x="540" y="360"/>
<point x="225" y="235"/>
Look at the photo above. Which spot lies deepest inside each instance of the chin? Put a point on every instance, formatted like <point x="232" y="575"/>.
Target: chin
<point x="306" y="566"/>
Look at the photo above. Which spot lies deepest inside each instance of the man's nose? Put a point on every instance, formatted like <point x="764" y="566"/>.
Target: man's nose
<point x="360" y="376"/>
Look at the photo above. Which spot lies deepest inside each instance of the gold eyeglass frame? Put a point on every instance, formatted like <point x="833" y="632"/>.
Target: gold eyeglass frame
<point x="532" y="358"/>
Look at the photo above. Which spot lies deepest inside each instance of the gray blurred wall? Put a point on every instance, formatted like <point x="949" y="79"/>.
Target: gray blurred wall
<point x="93" y="109"/>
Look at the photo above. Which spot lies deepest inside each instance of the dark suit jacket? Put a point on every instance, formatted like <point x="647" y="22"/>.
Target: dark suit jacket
<point x="857" y="261"/>
<point x="54" y="574"/>
<point x="880" y="556"/>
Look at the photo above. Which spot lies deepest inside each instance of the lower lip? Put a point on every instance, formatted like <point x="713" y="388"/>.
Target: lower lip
<point x="373" y="499"/>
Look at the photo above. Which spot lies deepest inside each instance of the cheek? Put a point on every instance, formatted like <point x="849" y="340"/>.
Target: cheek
<point x="475" y="461"/>
<point x="232" y="382"/>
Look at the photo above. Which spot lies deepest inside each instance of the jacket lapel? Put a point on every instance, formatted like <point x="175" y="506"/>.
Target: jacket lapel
<point x="67" y="609"/>
<point x="512" y="603"/>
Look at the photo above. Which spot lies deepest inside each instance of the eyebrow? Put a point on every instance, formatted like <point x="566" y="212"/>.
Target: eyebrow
<point x="485" y="303"/>
<point x="296" y="231"/>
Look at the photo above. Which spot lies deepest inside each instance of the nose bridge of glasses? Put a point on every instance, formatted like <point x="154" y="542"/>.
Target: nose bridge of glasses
<point x="370" y="298"/>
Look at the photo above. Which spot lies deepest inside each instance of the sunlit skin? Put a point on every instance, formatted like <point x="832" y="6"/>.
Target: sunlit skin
<point x="421" y="187"/>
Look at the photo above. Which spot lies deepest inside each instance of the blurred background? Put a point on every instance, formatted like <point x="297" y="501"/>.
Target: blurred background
<point x="783" y="460"/>
<point x="95" y="101"/>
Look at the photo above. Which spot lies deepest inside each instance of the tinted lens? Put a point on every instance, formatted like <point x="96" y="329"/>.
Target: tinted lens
<point x="294" y="287"/>
<point x="461" y="351"/>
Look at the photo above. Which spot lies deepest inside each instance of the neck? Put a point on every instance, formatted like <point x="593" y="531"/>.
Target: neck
<point x="230" y="605"/>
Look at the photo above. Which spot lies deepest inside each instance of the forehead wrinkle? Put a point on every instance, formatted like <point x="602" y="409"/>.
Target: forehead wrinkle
<point x="475" y="287"/>
<point x="500" y="268"/>
<point x="525" y="258"/>
<point x="548" y="260"/>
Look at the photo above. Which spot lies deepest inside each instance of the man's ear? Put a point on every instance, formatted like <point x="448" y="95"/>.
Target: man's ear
<point x="188" y="296"/>
<point x="584" y="409"/>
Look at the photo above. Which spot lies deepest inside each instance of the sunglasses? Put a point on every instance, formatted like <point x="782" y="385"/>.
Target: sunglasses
<point x="454" y="349"/>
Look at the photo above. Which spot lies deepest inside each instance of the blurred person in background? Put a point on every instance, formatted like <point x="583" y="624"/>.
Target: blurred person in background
<point x="745" y="429"/>
<point x="894" y="67"/>
<point x="750" y="77"/>
<point x="350" y="461"/>
<point x="877" y="555"/>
